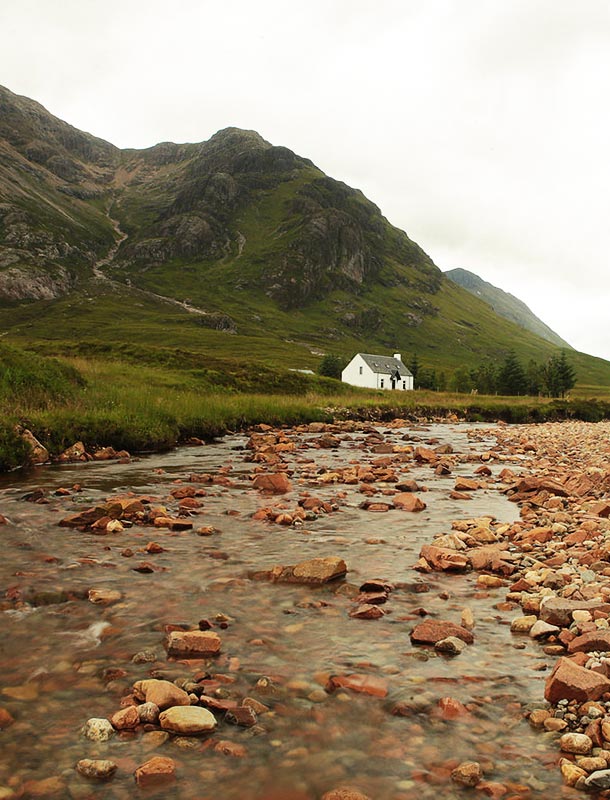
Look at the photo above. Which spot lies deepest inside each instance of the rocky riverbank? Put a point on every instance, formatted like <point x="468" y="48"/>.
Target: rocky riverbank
<point x="341" y="611"/>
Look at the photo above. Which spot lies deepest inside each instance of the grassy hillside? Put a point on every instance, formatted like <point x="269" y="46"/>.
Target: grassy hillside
<point x="232" y="254"/>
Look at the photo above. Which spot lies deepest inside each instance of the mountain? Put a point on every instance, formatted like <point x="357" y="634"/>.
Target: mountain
<point x="505" y="304"/>
<point x="227" y="252"/>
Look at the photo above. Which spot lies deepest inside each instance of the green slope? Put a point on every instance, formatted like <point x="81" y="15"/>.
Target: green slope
<point x="274" y="263"/>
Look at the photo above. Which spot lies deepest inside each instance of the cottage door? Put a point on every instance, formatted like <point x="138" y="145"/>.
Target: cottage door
<point x="393" y="383"/>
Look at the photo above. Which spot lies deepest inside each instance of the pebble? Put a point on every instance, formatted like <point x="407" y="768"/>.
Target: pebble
<point x="578" y="743"/>
<point x="98" y="729"/>
<point x="99" y="769"/>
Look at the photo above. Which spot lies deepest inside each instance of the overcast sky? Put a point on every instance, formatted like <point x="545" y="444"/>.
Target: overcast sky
<point x="481" y="127"/>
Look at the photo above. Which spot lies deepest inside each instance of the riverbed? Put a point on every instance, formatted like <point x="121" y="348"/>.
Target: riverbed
<point x="66" y="659"/>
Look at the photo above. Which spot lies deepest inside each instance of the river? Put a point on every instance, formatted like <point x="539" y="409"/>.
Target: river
<point x="66" y="659"/>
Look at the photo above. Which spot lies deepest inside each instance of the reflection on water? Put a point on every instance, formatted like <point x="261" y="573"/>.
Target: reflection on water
<point x="65" y="659"/>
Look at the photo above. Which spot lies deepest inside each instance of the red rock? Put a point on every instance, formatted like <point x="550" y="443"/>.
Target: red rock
<point x="558" y="610"/>
<point x="572" y="682"/>
<point x="125" y="719"/>
<point x="450" y="708"/>
<point x="154" y="547"/>
<point x="367" y="611"/>
<point x="466" y="485"/>
<point x="6" y="718"/>
<point x="272" y="483"/>
<point x="193" y="644"/>
<point x="183" y="491"/>
<point x="344" y="793"/>
<point x="593" y="640"/>
<point x="378" y="507"/>
<point x="156" y="771"/>
<point x="425" y="454"/>
<point x="227" y="748"/>
<point x="47" y="787"/>
<point x="319" y="570"/>
<point x="365" y="684"/>
<point x="408" y="502"/>
<point x="432" y="631"/>
<point x="172" y="523"/>
<point x="443" y="559"/>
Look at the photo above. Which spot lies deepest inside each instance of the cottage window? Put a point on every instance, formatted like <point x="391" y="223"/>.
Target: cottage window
<point x="404" y="385"/>
<point x="360" y="370"/>
<point x="381" y="383"/>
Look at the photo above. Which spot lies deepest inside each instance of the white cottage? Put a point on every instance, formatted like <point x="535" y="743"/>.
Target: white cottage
<point x="378" y="372"/>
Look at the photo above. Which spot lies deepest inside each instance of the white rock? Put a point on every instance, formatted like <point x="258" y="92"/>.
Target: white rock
<point x="98" y="729"/>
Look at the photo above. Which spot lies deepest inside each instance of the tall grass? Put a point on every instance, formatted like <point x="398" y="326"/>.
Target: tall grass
<point x="141" y="408"/>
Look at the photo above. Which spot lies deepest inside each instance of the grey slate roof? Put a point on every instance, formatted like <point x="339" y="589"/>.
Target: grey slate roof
<point x="386" y="365"/>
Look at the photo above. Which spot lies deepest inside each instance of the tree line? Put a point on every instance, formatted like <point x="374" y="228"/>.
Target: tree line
<point x="551" y="378"/>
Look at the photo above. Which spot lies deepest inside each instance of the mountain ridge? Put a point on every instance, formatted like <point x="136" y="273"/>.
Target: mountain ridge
<point x="505" y="304"/>
<point x="232" y="246"/>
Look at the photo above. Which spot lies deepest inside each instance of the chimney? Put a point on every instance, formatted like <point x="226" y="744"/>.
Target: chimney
<point x="397" y="356"/>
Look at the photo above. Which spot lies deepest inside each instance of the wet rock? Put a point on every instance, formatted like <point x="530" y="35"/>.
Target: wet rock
<point x="156" y="771"/>
<point x="161" y="693"/>
<point x="577" y="743"/>
<point x="345" y="793"/>
<point x="272" y="483"/>
<point x="570" y="773"/>
<point x="598" y="640"/>
<point x="451" y="646"/>
<point x="227" y="748"/>
<point x="450" y="708"/>
<point x="598" y="780"/>
<point x="571" y="682"/>
<point x="193" y="644"/>
<point x="408" y="501"/>
<point x="541" y="630"/>
<point x="97" y="769"/>
<point x="6" y="718"/>
<point x="523" y="624"/>
<point x="432" y="631"/>
<point x="104" y="597"/>
<point x="53" y="786"/>
<point x="444" y="560"/>
<point x="126" y="719"/>
<point x="98" y="729"/>
<point x="365" y="684"/>
<point x="558" y="610"/>
<point x="148" y="713"/>
<point x="242" y="715"/>
<point x="468" y="773"/>
<point x="187" y="720"/>
<point x="319" y="570"/>
<point x="173" y="523"/>
<point x="367" y="611"/>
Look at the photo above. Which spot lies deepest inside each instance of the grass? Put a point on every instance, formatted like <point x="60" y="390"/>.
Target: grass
<point x="140" y="407"/>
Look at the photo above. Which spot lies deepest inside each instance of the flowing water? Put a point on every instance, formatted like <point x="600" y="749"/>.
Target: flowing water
<point x="65" y="659"/>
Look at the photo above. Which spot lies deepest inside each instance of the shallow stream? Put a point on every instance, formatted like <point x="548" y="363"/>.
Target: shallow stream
<point x="65" y="659"/>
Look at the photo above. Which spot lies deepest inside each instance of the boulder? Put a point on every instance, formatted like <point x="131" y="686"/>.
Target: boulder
<point x="155" y="772"/>
<point x="187" y="720"/>
<point x="162" y="693"/>
<point x="443" y="559"/>
<point x="592" y="640"/>
<point x="558" y="610"/>
<point x="38" y="452"/>
<point x="364" y="684"/>
<point x="319" y="570"/>
<point x="432" y="631"/>
<point x="193" y="644"/>
<point x="408" y="501"/>
<point x="568" y="681"/>
<point x="272" y="483"/>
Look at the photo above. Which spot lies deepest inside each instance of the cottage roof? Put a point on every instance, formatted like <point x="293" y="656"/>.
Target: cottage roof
<point x="385" y="365"/>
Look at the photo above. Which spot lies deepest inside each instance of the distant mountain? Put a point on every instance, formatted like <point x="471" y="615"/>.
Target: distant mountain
<point x="231" y="251"/>
<point x="505" y="304"/>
